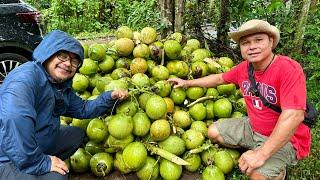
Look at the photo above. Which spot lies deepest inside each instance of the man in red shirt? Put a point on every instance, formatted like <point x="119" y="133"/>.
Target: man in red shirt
<point x="274" y="140"/>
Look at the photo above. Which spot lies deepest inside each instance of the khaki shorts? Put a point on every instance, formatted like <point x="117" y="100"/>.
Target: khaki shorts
<point x="237" y="131"/>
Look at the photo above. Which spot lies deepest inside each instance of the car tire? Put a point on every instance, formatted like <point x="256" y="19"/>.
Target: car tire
<point x="9" y="61"/>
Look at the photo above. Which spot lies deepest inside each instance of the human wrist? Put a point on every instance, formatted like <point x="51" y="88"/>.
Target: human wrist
<point x="264" y="152"/>
<point x="108" y="95"/>
<point x="114" y="95"/>
<point x="187" y="83"/>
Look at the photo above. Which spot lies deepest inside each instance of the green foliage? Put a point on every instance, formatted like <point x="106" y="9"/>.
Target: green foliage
<point x="309" y="168"/>
<point x="275" y="12"/>
<point x="43" y="4"/>
<point x="259" y="9"/>
<point x="78" y="16"/>
<point x="309" y="58"/>
<point x="199" y="13"/>
<point x="137" y="14"/>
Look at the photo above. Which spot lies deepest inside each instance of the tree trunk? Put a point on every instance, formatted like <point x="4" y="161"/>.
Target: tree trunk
<point x="314" y="5"/>
<point x="167" y="15"/>
<point x="223" y="27"/>
<point x="302" y="21"/>
<point x="170" y="14"/>
<point x="179" y="14"/>
<point x="102" y="7"/>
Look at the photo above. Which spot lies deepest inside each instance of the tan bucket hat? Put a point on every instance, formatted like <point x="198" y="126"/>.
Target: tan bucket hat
<point x="256" y="26"/>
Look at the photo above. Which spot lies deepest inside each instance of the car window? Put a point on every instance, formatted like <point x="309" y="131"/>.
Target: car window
<point x="9" y="1"/>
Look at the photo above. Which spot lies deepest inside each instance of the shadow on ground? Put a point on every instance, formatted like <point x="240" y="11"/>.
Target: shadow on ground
<point x="116" y="175"/>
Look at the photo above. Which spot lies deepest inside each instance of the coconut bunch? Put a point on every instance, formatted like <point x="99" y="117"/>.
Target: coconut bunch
<point x="159" y="130"/>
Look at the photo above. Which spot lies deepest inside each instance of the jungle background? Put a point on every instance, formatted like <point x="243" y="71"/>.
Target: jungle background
<point x="209" y="21"/>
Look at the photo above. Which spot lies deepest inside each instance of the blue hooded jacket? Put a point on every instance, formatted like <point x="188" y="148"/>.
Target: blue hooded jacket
<point x="31" y="105"/>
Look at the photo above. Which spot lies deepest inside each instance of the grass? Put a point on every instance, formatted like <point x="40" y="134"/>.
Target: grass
<point x="309" y="168"/>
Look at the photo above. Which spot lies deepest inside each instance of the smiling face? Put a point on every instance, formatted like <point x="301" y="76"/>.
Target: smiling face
<point x="62" y="66"/>
<point x="256" y="48"/>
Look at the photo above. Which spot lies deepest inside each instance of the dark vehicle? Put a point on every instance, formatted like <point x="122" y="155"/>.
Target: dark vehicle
<point x="20" y="33"/>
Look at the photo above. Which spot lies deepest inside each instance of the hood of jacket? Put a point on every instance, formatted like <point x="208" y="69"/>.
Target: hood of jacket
<point x="54" y="42"/>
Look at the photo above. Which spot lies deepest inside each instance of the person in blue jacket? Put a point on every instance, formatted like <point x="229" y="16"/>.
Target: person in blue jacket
<point x="33" y="96"/>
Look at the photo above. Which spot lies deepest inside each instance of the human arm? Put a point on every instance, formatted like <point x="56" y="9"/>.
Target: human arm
<point x="17" y="128"/>
<point x="84" y="109"/>
<point x="288" y="122"/>
<point x="207" y="81"/>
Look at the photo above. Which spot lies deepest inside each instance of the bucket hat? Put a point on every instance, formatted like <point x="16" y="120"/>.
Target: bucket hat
<point x="256" y="26"/>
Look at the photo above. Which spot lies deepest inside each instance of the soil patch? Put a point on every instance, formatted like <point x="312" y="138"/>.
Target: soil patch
<point x="99" y="40"/>
<point x="116" y="175"/>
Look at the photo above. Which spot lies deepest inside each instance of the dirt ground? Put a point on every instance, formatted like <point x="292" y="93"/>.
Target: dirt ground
<point x="116" y="175"/>
<point x="97" y="40"/>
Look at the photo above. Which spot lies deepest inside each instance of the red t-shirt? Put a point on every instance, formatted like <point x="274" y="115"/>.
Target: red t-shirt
<point x="282" y="84"/>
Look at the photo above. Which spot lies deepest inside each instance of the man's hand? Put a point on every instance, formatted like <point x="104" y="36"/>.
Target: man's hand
<point x="251" y="160"/>
<point x="119" y="94"/>
<point x="58" y="165"/>
<point x="177" y="82"/>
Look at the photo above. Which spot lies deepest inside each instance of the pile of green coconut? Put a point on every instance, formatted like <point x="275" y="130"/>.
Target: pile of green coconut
<point x="158" y="131"/>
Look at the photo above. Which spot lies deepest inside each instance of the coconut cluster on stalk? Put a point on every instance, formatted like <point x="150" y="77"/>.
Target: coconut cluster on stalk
<point x="159" y="130"/>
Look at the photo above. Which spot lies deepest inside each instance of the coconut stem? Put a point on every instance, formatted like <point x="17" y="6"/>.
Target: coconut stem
<point x="153" y="168"/>
<point x="200" y="99"/>
<point x="162" y="57"/>
<point x="174" y="128"/>
<point x="101" y="167"/>
<point x="167" y="155"/>
<point x="201" y="148"/>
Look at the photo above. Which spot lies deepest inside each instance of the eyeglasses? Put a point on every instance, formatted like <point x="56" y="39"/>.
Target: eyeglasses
<point x="63" y="56"/>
